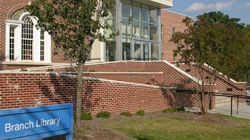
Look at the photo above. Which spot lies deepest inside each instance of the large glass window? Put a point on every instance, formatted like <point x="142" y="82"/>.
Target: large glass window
<point x="140" y="23"/>
<point x="141" y="20"/>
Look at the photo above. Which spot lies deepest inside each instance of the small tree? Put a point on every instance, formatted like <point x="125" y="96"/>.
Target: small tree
<point x="214" y="39"/>
<point x="74" y="25"/>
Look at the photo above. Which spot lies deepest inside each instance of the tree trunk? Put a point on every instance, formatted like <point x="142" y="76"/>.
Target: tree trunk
<point x="202" y="99"/>
<point x="79" y="97"/>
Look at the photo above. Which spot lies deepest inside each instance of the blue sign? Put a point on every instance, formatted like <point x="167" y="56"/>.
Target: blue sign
<point x="36" y="122"/>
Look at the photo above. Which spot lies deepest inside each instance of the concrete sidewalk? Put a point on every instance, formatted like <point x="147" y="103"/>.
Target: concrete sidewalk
<point x="243" y="112"/>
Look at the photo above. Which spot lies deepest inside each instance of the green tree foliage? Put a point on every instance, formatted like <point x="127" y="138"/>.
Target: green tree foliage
<point x="216" y="39"/>
<point x="74" y="25"/>
<point x="241" y="71"/>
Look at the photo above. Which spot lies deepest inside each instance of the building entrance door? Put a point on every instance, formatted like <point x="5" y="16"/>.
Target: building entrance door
<point x="146" y="51"/>
<point x="142" y="50"/>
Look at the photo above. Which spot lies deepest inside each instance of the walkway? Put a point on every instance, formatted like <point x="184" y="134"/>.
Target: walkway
<point x="243" y="112"/>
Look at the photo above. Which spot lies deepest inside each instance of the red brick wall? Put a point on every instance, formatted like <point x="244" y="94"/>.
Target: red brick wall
<point x="171" y="77"/>
<point x="103" y="96"/>
<point x="15" y="67"/>
<point x="152" y="79"/>
<point x="119" y="97"/>
<point x="26" y="90"/>
<point x="169" y="21"/>
<point x="221" y="83"/>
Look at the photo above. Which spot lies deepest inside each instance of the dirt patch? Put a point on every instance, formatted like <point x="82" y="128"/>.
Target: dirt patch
<point x="214" y="119"/>
<point x="96" y="128"/>
<point x="99" y="133"/>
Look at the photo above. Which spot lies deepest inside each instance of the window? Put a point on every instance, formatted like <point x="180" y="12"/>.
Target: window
<point x="110" y="50"/>
<point x="42" y="45"/>
<point x="12" y="42"/>
<point x="126" y="49"/>
<point x="27" y="39"/>
<point x="136" y="10"/>
<point x="145" y="13"/>
<point x="145" y="31"/>
<point x="24" y="41"/>
<point x="140" y="23"/>
<point x="126" y="9"/>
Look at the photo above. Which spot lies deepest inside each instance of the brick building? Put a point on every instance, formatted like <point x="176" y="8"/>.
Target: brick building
<point x="171" y="23"/>
<point x="131" y="74"/>
<point x="23" y="44"/>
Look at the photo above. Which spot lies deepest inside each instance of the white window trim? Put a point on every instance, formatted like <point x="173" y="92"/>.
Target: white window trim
<point x="18" y="42"/>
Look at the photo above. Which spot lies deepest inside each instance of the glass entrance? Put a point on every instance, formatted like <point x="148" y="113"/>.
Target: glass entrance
<point x="146" y="51"/>
<point x="137" y="49"/>
<point x="142" y="50"/>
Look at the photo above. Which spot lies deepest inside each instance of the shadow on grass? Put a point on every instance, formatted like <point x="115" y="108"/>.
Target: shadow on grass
<point x="142" y="138"/>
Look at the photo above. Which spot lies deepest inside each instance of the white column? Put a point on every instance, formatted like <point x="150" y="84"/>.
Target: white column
<point x="7" y="42"/>
<point x="47" y="48"/>
<point x="36" y="44"/>
<point x="102" y="49"/>
<point x="18" y="43"/>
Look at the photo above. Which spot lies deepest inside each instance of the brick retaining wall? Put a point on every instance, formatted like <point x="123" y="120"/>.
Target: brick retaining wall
<point x="25" y="90"/>
<point x="172" y="76"/>
<point x="152" y="78"/>
<point x="34" y="89"/>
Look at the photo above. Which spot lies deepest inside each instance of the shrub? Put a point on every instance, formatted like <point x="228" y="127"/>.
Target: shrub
<point x="180" y="109"/>
<point x="140" y="113"/>
<point x="103" y="115"/>
<point x="127" y="114"/>
<point x="171" y="110"/>
<point x="86" y="116"/>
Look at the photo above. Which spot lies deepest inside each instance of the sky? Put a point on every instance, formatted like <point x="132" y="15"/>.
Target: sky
<point x="234" y="8"/>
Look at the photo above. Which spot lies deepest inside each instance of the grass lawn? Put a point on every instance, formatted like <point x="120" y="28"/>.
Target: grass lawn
<point x="182" y="126"/>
